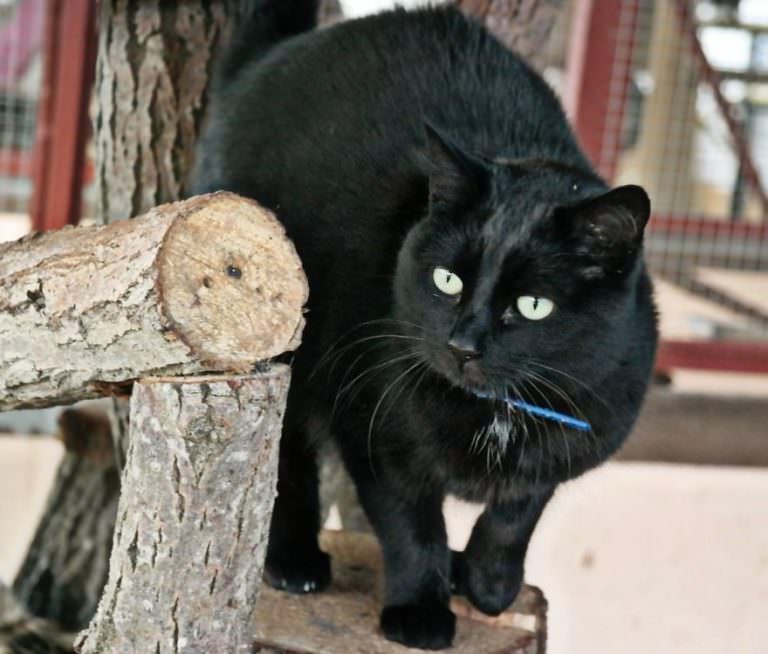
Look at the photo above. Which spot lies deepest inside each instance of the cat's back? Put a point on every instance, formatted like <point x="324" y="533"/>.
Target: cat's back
<point x="335" y="118"/>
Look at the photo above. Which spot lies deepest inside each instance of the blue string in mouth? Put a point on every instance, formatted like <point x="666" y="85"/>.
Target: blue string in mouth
<point x="540" y="412"/>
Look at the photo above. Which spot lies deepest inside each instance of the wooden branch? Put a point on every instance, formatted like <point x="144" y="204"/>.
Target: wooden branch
<point x="210" y="283"/>
<point x="194" y="513"/>
<point x="345" y="618"/>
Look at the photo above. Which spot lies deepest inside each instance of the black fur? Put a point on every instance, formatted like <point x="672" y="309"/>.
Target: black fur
<point x="389" y="146"/>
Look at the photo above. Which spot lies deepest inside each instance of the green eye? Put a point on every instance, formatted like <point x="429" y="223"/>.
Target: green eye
<point x="533" y="307"/>
<point x="446" y="281"/>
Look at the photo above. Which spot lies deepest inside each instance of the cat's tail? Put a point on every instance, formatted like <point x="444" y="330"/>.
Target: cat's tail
<point x="262" y="24"/>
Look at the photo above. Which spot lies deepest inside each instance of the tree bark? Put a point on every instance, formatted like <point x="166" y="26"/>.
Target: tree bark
<point x="211" y="283"/>
<point x="154" y="62"/>
<point x="522" y="25"/>
<point x="198" y="488"/>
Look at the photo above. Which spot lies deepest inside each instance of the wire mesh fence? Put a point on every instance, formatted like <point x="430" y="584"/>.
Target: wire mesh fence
<point x="21" y="36"/>
<point x="685" y="102"/>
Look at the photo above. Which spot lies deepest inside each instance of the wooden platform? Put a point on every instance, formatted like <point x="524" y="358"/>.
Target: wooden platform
<point x="344" y="619"/>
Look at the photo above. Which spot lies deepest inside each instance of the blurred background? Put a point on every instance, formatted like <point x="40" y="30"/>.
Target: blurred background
<point x="666" y="549"/>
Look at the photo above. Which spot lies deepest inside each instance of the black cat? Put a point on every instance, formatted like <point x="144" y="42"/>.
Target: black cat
<point x="469" y="271"/>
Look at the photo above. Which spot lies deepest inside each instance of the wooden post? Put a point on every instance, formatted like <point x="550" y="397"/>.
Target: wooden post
<point x="62" y="128"/>
<point x="195" y="507"/>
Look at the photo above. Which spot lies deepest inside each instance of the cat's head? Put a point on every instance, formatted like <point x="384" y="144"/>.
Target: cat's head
<point x="521" y="268"/>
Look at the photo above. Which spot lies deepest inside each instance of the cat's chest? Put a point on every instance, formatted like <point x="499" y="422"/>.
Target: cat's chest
<point x="472" y="456"/>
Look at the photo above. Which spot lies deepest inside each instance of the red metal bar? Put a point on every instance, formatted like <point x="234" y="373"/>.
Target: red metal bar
<point x="44" y="117"/>
<point x="16" y="163"/>
<point x="63" y="121"/>
<point x="599" y="69"/>
<point x="712" y="78"/>
<point x="713" y="355"/>
<point x="697" y="226"/>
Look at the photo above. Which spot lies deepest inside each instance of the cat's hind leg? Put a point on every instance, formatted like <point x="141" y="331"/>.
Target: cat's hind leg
<point x="295" y="562"/>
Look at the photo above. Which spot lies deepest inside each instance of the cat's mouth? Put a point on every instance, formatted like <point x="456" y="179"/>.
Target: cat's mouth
<point x="468" y="377"/>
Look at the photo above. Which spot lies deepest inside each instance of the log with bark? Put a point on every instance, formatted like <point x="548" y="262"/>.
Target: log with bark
<point x="193" y="519"/>
<point x="211" y="283"/>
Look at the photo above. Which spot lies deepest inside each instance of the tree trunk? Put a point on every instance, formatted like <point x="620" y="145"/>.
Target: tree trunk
<point x="329" y="12"/>
<point x="65" y="570"/>
<point x="198" y="488"/>
<point x="522" y="25"/>
<point x="154" y="61"/>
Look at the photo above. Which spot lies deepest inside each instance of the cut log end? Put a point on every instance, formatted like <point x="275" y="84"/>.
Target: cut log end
<point x="232" y="284"/>
<point x="210" y="283"/>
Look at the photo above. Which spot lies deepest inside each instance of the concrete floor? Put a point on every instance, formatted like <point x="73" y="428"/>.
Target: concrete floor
<point x="634" y="558"/>
<point x="27" y="467"/>
<point x="640" y="558"/>
<point x="13" y="226"/>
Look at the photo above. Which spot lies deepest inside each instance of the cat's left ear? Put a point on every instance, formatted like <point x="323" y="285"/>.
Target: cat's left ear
<point x="455" y="177"/>
<point x="610" y="226"/>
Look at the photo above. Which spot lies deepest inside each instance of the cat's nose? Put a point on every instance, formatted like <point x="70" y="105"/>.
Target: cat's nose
<point x="463" y="349"/>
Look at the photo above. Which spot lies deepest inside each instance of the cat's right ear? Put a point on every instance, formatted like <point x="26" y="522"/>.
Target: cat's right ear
<point x="609" y="227"/>
<point x="455" y="177"/>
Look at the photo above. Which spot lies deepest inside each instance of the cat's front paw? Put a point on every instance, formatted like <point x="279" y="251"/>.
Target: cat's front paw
<point x="419" y="625"/>
<point x="490" y="585"/>
<point x="306" y="572"/>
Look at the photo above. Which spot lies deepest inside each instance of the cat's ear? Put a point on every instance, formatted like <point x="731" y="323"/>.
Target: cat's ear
<point x="455" y="177"/>
<point x="610" y="226"/>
